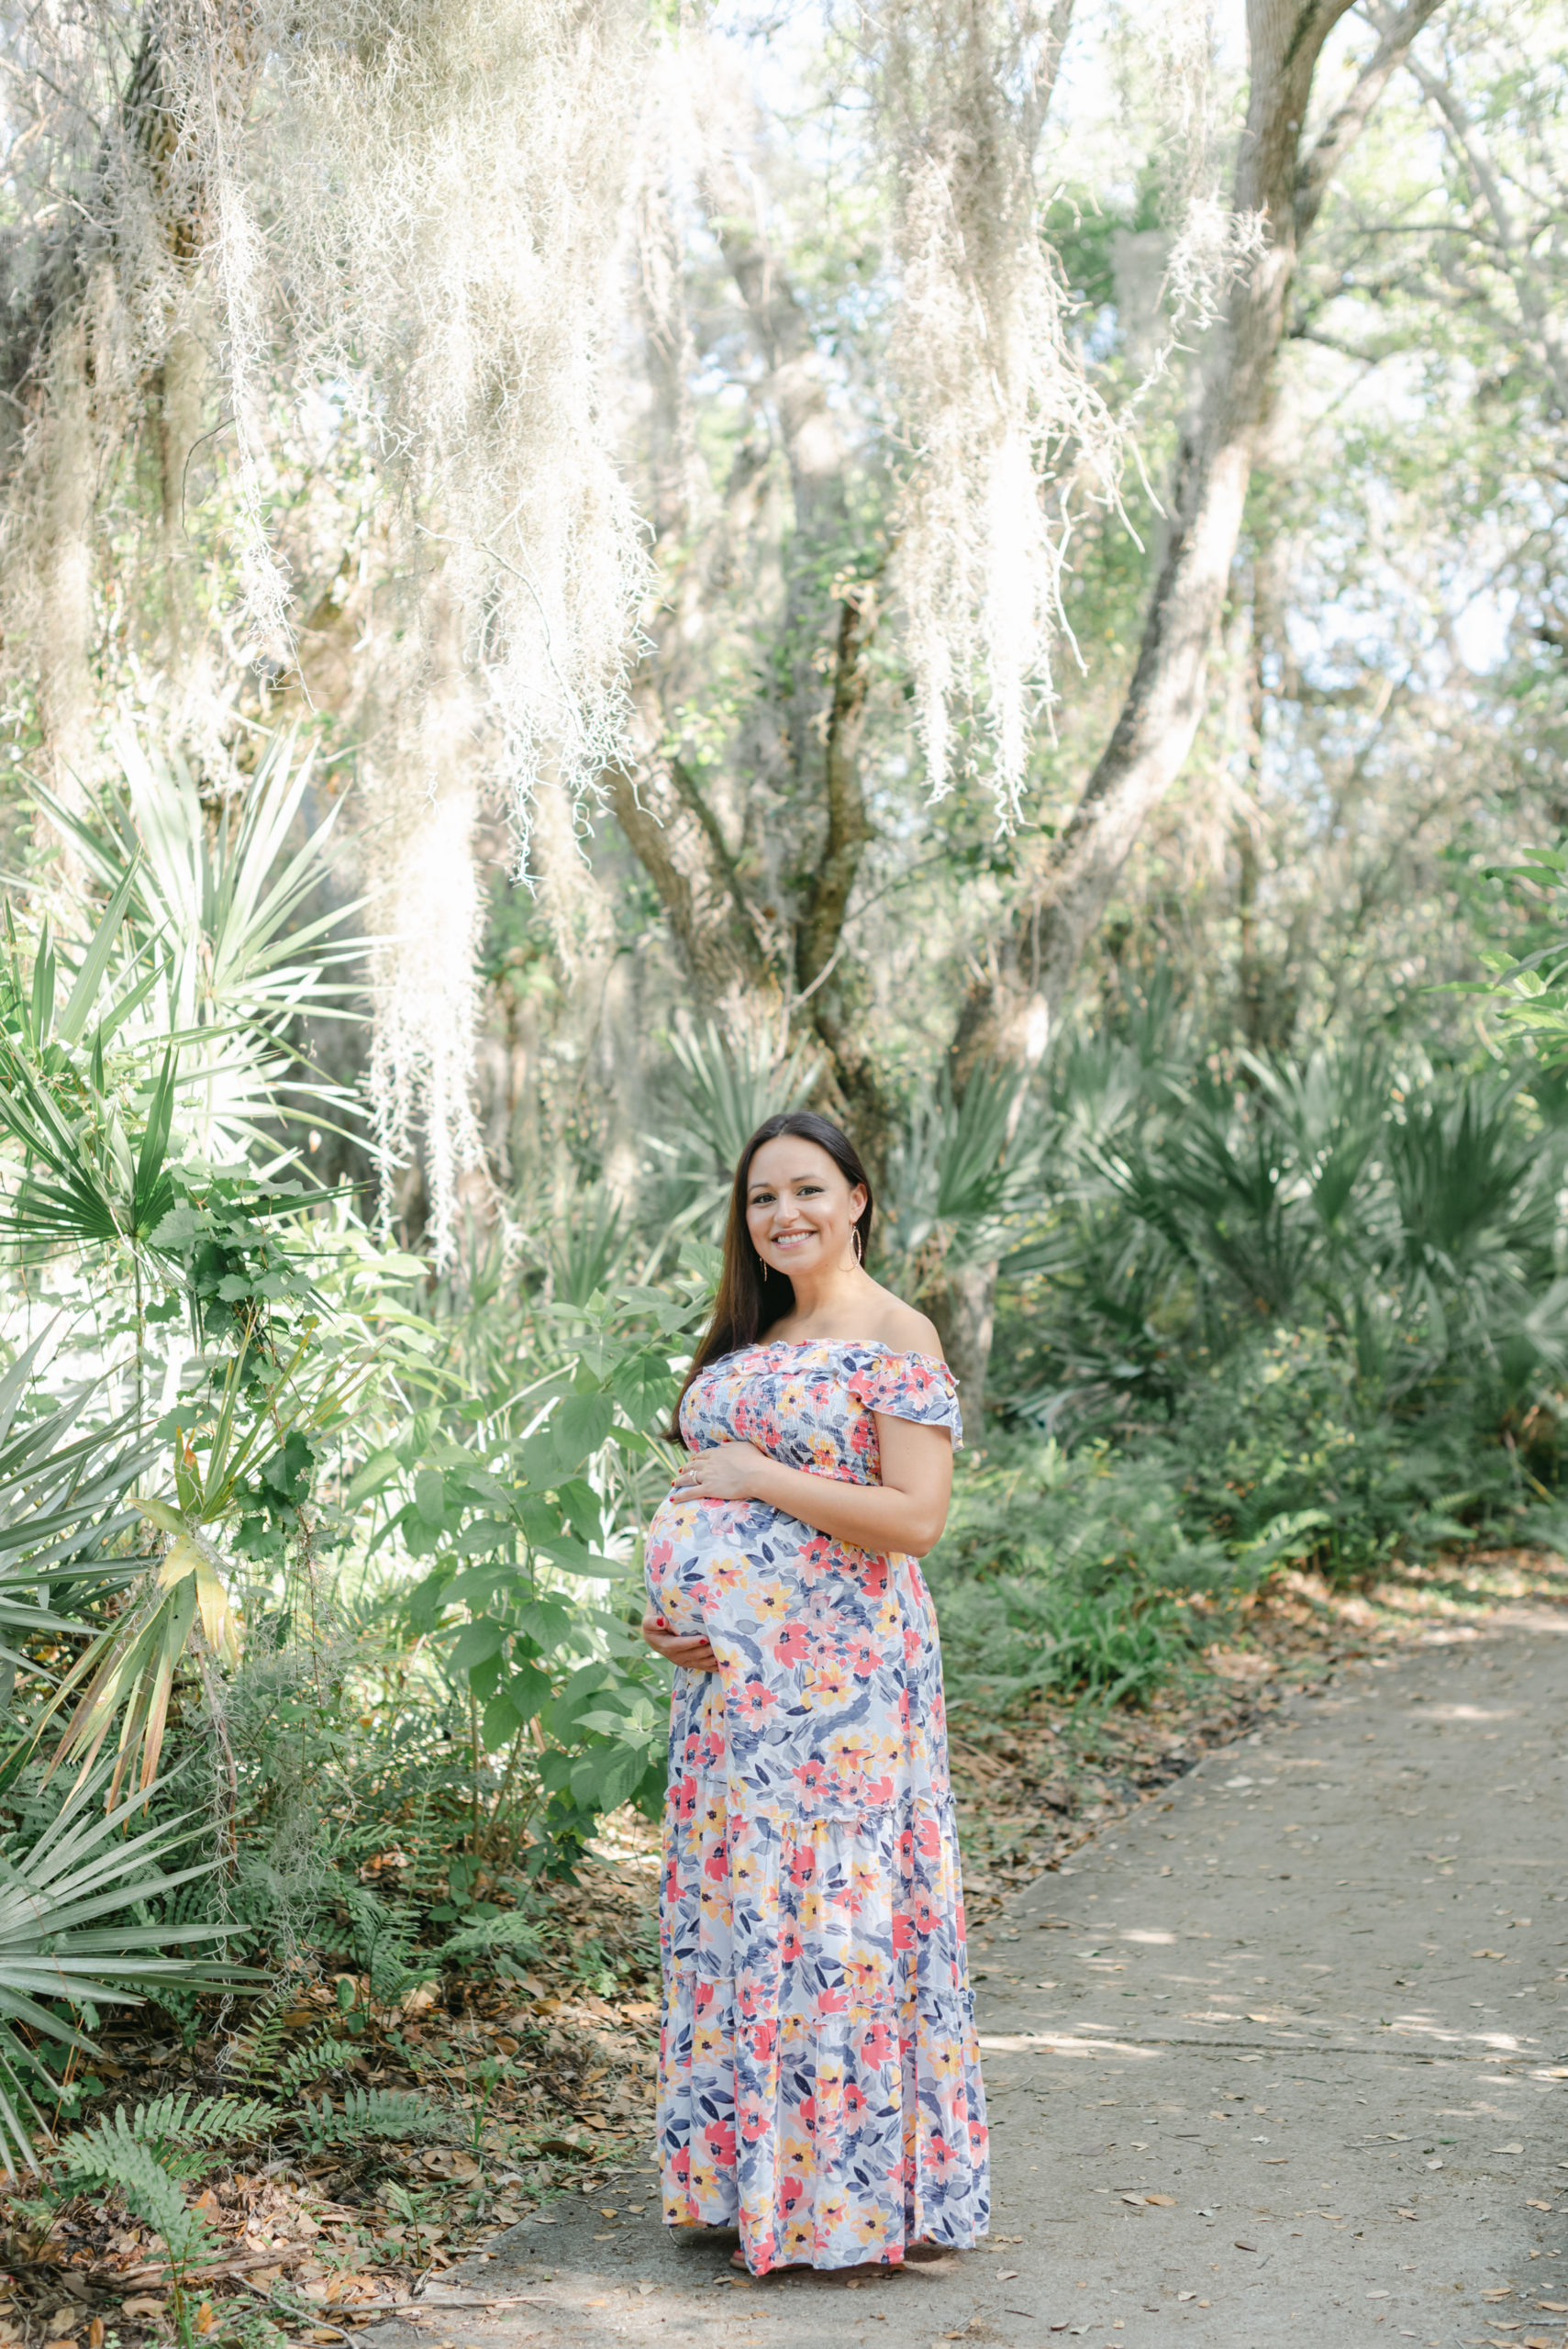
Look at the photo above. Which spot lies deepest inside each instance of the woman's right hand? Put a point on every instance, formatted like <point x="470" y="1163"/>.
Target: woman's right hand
<point x="690" y="1654"/>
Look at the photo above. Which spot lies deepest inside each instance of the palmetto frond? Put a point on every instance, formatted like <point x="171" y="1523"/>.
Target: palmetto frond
<point x="66" y="1936"/>
<point x="60" y="1492"/>
<point x="218" y="935"/>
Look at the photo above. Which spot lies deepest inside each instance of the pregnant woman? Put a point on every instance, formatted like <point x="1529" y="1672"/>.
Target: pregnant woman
<point x="819" y="2074"/>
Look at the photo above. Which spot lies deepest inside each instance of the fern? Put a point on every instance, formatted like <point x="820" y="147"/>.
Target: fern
<point x="511" y="1934"/>
<point x="383" y="1944"/>
<point x="112" y="2154"/>
<point x="390" y="2116"/>
<point x="174" y="2120"/>
<point x="252" y="2054"/>
<point x="319" y="2053"/>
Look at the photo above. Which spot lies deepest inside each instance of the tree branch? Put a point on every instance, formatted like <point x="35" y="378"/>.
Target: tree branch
<point x="1347" y="121"/>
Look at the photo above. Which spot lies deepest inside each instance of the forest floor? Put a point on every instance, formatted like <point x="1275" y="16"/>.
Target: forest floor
<point x="1072" y="1817"/>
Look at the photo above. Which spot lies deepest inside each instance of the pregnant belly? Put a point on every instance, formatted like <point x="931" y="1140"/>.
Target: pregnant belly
<point x="696" y="1556"/>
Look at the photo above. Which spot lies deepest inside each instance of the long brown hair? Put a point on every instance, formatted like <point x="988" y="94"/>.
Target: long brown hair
<point x="751" y="1295"/>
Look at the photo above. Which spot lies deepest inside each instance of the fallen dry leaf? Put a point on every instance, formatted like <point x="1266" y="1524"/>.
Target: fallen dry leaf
<point x="1553" y="2308"/>
<point x="1499" y="2292"/>
<point x="143" y="2305"/>
<point x="1162" y="2201"/>
<point x="1485" y="1953"/>
<point x="1538" y="2206"/>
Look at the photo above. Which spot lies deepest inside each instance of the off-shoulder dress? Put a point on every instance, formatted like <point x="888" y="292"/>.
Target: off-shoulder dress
<point x="819" y="2075"/>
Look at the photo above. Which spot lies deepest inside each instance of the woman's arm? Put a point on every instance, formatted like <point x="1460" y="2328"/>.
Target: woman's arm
<point x="906" y="1511"/>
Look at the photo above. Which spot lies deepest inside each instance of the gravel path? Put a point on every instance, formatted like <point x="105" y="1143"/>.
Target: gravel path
<point x="1283" y="2056"/>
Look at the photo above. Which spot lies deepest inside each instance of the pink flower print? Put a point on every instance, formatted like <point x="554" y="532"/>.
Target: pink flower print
<point x="879" y="1790"/>
<point x="925" y="1916"/>
<point x="716" y="1866"/>
<point x="791" y="1948"/>
<point x="806" y="2113"/>
<point x="687" y="1800"/>
<point x="977" y="2140"/>
<point x="938" y="2156"/>
<point x="754" y="2120"/>
<point x="790" y="2190"/>
<point x="877" y="2045"/>
<point x="748" y="1998"/>
<point x="720" y="2139"/>
<point x="753" y="1702"/>
<point x="912" y="1643"/>
<point x="906" y="1850"/>
<point x="854" y="2102"/>
<point x="903" y="1930"/>
<point x="929" y="1835"/>
<point x="792" y="1646"/>
<point x="764" y="2040"/>
<point x="833" y="2002"/>
<point x="863" y="1659"/>
<point x="682" y="2165"/>
<point x="812" y="1776"/>
<point x="803" y="1865"/>
<point x="704" y="1993"/>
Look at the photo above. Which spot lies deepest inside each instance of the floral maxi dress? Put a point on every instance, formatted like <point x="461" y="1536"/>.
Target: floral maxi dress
<point x="818" y="2072"/>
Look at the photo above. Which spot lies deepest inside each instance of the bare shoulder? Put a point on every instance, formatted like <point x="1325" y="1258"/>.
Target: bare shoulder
<point x="906" y="1332"/>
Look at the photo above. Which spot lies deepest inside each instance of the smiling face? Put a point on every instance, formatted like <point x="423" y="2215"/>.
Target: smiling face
<point x="800" y="1209"/>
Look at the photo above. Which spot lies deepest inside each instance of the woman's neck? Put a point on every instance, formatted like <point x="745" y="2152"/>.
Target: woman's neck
<point x="838" y="1306"/>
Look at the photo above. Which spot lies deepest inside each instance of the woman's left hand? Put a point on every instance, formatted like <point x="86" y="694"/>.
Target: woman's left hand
<point x="725" y="1471"/>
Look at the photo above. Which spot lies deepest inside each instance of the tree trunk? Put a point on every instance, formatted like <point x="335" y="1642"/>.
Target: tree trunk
<point x="60" y="360"/>
<point x="681" y="848"/>
<point x="737" y="961"/>
<point x="1014" y="1014"/>
<point x="964" y="1309"/>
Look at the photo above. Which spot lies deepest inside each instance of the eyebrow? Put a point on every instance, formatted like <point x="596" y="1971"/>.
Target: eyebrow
<point x="761" y="1184"/>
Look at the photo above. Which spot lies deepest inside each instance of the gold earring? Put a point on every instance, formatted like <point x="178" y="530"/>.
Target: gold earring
<point x="858" y="1244"/>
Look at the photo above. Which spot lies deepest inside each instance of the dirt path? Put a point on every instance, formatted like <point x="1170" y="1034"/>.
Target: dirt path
<point x="1282" y="2057"/>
